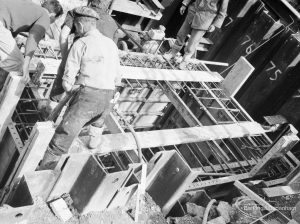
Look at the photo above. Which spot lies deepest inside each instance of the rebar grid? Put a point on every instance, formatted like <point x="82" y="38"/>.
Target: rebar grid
<point x="155" y="61"/>
<point x="234" y="156"/>
<point x="243" y="152"/>
<point x="26" y="114"/>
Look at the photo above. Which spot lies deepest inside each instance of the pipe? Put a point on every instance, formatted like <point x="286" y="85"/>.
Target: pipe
<point x="207" y="209"/>
<point x="131" y="129"/>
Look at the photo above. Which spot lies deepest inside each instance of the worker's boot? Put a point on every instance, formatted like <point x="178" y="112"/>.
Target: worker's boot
<point x="186" y="59"/>
<point x="95" y="134"/>
<point x="172" y="53"/>
<point x="49" y="161"/>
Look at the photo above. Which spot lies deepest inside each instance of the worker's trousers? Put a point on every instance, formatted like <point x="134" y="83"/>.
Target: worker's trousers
<point x="11" y="58"/>
<point x="89" y="107"/>
<point x="194" y="39"/>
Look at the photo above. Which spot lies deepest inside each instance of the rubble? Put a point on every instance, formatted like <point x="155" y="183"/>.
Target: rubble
<point x="219" y="220"/>
<point x="195" y="210"/>
<point x="61" y="210"/>
<point x="187" y="219"/>
<point x="225" y="210"/>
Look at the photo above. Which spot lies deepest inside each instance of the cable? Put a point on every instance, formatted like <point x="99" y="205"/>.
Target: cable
<point x="207" y="209"/>
<point x="131" y="129"/>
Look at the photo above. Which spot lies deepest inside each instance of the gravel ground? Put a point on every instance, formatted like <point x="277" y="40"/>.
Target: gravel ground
<point x="151" y="214"/>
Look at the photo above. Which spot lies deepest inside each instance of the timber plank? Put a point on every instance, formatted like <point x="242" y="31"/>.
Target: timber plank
<point x="282" y="190"/>
<point x="128" y="72"/>
<point x="125" y="141"/>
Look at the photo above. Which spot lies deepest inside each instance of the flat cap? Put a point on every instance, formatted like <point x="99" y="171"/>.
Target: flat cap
<point x="86" y="12"/>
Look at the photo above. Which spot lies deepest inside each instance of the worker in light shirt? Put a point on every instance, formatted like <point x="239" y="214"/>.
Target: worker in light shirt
<point x="203" y="16"/>
<point x="93" y="64"/>
<point x="106" y="25"/>
<point x="18" y="16"/>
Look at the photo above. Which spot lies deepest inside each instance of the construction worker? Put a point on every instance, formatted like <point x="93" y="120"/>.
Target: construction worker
<point x="23" y="16"/>
<point x="93" y="64"/>
<point x="106" y="25"/>
<point x="203" y="16"/>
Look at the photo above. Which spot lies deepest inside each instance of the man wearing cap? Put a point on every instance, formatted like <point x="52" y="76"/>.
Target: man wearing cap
<point x="23" y="16"/>
<point x="203" y="16"/>
<point x="106" y="25"/>
<point x="93" y="63"/>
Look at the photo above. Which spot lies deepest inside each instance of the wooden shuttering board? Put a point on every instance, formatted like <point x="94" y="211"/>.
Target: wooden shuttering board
<point x="51" y="67"/>
<point x="237" y="76"/>
<point x="125" y="141"/>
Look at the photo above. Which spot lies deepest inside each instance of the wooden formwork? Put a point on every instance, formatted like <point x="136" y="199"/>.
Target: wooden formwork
<point x="209" y="129"/>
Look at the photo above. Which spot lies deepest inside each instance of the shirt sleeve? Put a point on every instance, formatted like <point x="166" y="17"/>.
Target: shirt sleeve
<point x="36" y="33"/>
<point x="222" y="13"/>
<point x="73" y="63"/>
<point x="186" y="2"/>
<point x="69" y="21"/>
<point x="118" y="78"/>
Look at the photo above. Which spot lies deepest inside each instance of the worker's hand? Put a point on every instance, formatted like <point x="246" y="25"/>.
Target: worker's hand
<point x="211" y="28"/>
<point x="182" y="9"/>
<point x="25" y="74"/>
<point x="74" y="87"/>
<point x="67" y="86"/>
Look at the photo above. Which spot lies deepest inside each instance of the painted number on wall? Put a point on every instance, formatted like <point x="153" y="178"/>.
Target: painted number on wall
<point x="276" y="73"/>
<point x="251" y="47"/>
<point x="297" y="94"/>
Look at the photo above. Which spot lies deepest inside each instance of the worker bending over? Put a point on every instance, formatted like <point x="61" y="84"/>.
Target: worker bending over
<point x="106" y="25"/>
<point x="203" y="16"/>
<point x="93" y="64"/>
<point x="23" y="16"/>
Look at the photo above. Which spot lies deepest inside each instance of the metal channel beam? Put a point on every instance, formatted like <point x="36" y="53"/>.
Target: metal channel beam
<point x="32" y="153"/>
<point x="283" y="145"/>
<point x="232" y="165"/>
<point x="254" y="196"/>
<point x="9" y="98"/>
<point x="223" y="180"/>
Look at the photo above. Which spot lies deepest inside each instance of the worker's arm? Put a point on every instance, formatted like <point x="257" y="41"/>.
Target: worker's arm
<point x="36" y="33"/>
<point x="73" y="65"/>
<point x="63" y="41"/>
<point x="118" y="78"/>
<point x="66" y="29"/>
<point x="222" y="13"/>
<point x="185" y="4"/>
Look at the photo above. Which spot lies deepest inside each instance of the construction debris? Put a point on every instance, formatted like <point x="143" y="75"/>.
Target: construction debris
<point x="219" y="220"/>
<point x="195" y="210"/>
<point x="225" y="210"/>
<point x="61" y="210"/>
